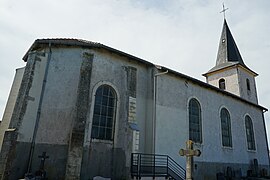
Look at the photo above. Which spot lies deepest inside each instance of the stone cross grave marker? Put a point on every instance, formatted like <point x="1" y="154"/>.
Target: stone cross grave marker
<point x="41" y="173"/>
<point x="42" y="161"/>
<point x="189" y="152"/>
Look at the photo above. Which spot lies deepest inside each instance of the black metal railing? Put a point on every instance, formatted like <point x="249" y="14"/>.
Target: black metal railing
<point x="153" y="165"/>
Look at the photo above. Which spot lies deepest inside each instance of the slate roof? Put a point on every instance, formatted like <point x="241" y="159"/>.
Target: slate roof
<point x="228" y="51"/>
<point x="39" y="43"/>
<point x="228" y="54"/>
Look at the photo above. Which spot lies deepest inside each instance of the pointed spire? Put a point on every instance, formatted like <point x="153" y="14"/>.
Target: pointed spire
<point x="228" y="51"/>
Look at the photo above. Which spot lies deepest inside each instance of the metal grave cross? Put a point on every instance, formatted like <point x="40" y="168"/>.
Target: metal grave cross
<point x="189" y="152"/>
<point x="42" y="161"/>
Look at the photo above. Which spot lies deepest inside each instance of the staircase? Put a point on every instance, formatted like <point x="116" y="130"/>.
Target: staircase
<point x="153" y="165"/>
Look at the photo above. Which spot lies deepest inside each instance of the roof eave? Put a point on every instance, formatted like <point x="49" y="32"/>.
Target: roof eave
<point x="230" y="66"/>
<point x="81" y="43"/>
<point x="98" y="45"/>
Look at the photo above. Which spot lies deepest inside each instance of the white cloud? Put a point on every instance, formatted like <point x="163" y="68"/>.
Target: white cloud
<point x="179" y="34"/>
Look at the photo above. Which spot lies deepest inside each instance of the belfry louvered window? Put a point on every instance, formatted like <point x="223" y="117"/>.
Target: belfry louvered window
<point x="226" y="128"/>
<point x="221" y="84"/>
<point x="195" y="121"/>
<point x="250" y="134"/>
<point x="104" y="113"/>
<point x="248" y="84"/>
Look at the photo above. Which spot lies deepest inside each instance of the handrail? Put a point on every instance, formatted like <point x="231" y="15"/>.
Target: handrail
<point x="155" y="165"/>
<point x="180" y="169"/>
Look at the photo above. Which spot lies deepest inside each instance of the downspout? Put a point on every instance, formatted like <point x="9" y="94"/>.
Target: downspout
<point x="155" y="107"/>
<point x="30" y="159"/>
<point x="266" y="137"/>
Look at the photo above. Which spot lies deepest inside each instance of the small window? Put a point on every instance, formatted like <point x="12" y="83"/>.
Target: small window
<point x="250" y="133"/>
<point x="226" y="128"/>
<point x="222" y="84"/>
<point x="104" y="113"/>
<point x="248" y="84"/>
<point x="195" y="121"/>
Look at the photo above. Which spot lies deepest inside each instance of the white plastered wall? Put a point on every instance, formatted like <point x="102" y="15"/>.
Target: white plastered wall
<point x="11" y="103"/>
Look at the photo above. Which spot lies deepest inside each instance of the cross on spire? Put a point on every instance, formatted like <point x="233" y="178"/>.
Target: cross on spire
<point x="223" y="10"/>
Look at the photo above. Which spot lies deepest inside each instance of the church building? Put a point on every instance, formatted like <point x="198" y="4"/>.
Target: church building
<point x="80" y="109"/>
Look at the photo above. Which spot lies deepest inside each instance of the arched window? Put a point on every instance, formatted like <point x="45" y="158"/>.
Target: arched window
<point x="226" y="128"/>
<point x="248" y="84"/>
<point x="250" y="133"/>
<point x="104" y="113"/>
<point x="221" y="84"/>
<point x="195" y="121"/>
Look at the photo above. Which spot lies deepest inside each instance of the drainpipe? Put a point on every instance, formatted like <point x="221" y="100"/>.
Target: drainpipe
<point x="264" y="126"/>
<point x="39" y="111"/>
<point x="155" y="105"/>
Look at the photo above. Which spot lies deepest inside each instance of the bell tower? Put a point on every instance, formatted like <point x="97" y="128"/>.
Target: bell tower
<point x="230" y="72"/>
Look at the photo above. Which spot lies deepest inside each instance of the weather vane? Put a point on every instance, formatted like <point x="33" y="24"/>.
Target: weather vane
<point x="223" y="10"/>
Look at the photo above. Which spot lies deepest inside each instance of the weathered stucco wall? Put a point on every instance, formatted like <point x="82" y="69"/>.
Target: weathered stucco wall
<point x="15" y="154"/>
<point x="235" y="81"/>
<point x="59" y="101"/>
<point x="11" y="103"/>
<point x="112" y="70"/>
<point x="172" y="124"/>
<point x="231" y="80"/>
<point x="52" y="104"/>
<point x="52" y="114"/>
<point x="27" y="126"/>
<point x="250" y="95"/>
<point x="56" y="104"/>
